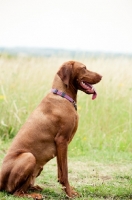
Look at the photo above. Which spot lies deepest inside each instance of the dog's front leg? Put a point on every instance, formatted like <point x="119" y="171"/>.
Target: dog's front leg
<point x="62" y="147"/>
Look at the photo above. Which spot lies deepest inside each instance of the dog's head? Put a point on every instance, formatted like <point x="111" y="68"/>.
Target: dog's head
<point x="75" y="74"/>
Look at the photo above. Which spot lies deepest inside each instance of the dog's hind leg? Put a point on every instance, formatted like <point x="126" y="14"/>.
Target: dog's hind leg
<point x="21" y="174"/>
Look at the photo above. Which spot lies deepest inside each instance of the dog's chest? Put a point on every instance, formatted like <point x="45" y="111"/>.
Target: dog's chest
<point x="75" y="126"/>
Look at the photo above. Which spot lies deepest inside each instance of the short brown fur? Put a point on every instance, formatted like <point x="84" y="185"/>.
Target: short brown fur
<point x="46" y="134"/>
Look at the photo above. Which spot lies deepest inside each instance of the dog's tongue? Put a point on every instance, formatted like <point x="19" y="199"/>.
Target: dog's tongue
<point x="94" y="95"/>
<point x="89" y="89"/>
<point x="92" y="91"/>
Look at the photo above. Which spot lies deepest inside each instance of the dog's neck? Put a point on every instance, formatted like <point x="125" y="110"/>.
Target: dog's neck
<point x="70" y="90"/>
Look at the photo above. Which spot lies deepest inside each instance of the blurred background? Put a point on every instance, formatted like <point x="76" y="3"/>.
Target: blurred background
<point x="103" y="26"/>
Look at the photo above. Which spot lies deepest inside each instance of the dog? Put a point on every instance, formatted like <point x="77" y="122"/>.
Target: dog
<point x="47" y="133"/>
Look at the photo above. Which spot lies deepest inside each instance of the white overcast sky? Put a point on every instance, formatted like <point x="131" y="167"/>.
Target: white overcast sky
<point x="93" y="25"/>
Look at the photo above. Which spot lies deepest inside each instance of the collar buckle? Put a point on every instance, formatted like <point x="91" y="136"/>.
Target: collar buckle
<point x="55" y="91"/>
<point x="63" y="94"/>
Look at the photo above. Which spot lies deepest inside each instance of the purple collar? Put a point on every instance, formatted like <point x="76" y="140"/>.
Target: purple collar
<point x="62" y="94"/>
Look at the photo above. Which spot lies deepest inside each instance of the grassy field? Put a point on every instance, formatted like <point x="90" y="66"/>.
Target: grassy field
<point x="100" y="155"/>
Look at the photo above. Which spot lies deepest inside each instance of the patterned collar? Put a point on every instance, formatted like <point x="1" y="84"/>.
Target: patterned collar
<point x="64" y="95"/>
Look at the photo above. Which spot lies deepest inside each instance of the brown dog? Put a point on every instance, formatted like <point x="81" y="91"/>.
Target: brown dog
<point x="47" y="133"/>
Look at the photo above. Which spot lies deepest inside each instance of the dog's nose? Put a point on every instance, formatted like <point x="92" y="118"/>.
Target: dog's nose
<point x="99" y="77"/>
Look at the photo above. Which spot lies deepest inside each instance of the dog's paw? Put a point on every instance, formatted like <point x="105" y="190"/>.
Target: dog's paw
<point x="36" y="196"/>
<point x="72" y="193"/>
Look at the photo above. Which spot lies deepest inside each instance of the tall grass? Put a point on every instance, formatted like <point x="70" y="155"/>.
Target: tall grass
<point x="105" y="123"/>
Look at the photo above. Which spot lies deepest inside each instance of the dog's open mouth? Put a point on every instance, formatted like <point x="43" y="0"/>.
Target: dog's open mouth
<point x="89" y="89"/>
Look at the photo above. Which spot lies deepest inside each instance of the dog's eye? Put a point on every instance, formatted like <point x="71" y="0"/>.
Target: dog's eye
<point x="84" y="67"/>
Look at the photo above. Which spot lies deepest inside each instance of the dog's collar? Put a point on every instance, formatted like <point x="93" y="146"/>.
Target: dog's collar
<point x="64" y="95"/>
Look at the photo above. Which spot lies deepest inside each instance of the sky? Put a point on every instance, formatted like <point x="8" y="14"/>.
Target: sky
<point x="91" y="25"/>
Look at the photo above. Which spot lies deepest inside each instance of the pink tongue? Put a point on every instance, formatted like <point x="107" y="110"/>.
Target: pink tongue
<point x="93" y="92"/>
<point x="94" y="95"/>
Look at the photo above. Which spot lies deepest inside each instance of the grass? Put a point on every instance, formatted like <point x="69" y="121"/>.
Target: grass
<point x="101" y="179"/>
<point x="100" y="155"/>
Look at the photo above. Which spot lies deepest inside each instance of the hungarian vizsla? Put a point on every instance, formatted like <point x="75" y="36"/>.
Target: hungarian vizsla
<point x="47" y="133"/>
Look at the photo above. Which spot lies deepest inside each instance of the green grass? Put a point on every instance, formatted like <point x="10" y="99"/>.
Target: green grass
<point x="94" y="177"/>
<point x="100" y="155"/>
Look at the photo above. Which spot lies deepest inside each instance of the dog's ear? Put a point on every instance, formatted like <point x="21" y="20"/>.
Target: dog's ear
<point x="65" y="72"/>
